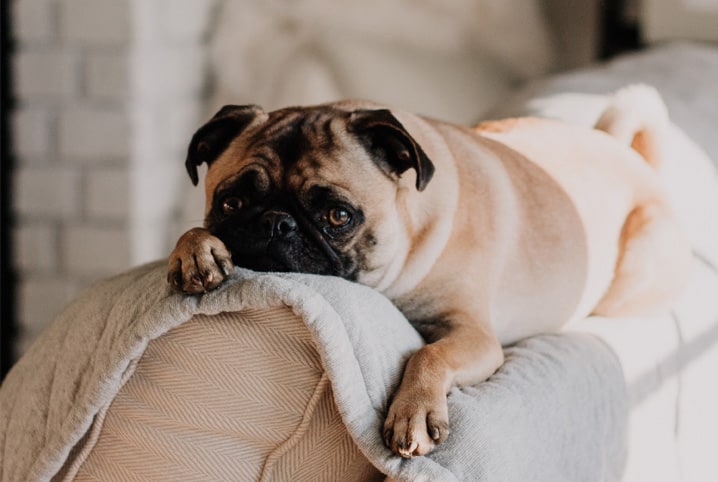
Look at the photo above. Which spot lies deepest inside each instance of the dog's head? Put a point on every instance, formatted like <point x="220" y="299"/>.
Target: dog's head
<point x="313" y="190"/>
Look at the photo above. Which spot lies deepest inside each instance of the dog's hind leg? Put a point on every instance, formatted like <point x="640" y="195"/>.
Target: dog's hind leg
<point x="652" y="266"/>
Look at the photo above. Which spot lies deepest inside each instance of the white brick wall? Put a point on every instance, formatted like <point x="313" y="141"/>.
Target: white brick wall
<point x="45" y="74"/>
<point x="31" y="133"/>
<point x="94" y="134"/>
<point x="47" y="193"/>
<point x="107" y="194"/>
<point x="95" y="250"/>
<point x="33" y="20"/>
<point x="106" y="76"/>
<point x="36" y="248"/>
<point x="39" y="299"/>
<point x="108" y="92"/>
<point x="184" y="20"/>
<point x="95" y="22"/>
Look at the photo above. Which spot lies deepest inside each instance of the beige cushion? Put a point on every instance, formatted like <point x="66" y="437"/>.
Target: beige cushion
<point x="234" y="396"/>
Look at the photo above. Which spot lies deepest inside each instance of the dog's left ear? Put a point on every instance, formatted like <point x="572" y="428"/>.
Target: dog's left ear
<point x="213" y="138"/>
<point x="391" y="146"/>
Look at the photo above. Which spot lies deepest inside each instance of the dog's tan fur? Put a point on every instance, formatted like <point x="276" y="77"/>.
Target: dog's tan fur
<point x="526" y="225"/>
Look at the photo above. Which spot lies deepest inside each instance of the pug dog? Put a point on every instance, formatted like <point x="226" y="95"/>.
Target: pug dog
<point x="480" y="236"/>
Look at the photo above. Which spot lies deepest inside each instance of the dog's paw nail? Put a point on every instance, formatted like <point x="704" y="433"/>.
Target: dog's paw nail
<point x="435" y="433"/>
<point x="196" y="284"/>
<point x="408" y="453"/>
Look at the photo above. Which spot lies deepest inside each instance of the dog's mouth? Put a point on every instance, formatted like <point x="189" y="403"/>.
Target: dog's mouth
<point x="261" y="263"/>
<point x="298" y="253"/>
<point x="264" y="257"/>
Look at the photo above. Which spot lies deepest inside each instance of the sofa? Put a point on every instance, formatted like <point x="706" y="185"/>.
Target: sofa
<point x="288" y="376"/>
<point x="669" y="362"/>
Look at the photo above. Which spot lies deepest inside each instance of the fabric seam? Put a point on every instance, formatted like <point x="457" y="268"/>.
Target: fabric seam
<point x="301" y="429"/>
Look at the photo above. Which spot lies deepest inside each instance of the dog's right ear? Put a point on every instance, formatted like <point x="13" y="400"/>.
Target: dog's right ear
<point x="213" y="138"/>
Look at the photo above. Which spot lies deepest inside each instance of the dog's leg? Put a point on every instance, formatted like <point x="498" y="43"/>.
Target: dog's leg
<point x="418" y="416"/>
<point x="653" y="264"/>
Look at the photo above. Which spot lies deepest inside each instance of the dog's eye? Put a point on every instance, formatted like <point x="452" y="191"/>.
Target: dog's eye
<point x="339" y="217"/>
<point x="231" y="205"/>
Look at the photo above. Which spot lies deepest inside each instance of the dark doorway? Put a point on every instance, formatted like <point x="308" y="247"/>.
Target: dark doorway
<point x="8" y="328"/>
<point x="619" y="32"/>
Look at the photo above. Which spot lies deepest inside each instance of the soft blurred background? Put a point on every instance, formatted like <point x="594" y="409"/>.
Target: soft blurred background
<point x="100" y="98"/>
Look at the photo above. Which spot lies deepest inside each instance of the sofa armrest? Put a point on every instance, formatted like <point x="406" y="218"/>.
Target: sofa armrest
<point x="287" y="376"/>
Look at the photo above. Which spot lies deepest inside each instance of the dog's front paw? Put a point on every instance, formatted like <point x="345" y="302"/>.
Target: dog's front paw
<point x="416" y="423"/>
<point x="199" y="262"/>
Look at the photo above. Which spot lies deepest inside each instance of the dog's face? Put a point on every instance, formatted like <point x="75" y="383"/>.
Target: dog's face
<point x="312" y="190"/>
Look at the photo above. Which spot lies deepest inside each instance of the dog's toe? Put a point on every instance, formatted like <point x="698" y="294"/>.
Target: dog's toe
<point x="437" y="424"/>
<point x="223" y="260"/>
<point x="190" y="281"/>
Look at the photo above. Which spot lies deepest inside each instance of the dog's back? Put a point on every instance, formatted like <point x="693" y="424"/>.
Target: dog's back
<point x="608" y="172"/>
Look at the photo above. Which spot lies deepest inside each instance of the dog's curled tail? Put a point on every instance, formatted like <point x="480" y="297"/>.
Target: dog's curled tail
<point x="637" y="116"/>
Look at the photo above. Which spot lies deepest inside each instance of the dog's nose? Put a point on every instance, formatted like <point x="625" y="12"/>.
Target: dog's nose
<point x="278" y="223"/>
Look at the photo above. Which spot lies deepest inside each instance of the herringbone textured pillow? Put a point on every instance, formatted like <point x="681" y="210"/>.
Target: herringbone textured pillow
<point x="235" y="396"/>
